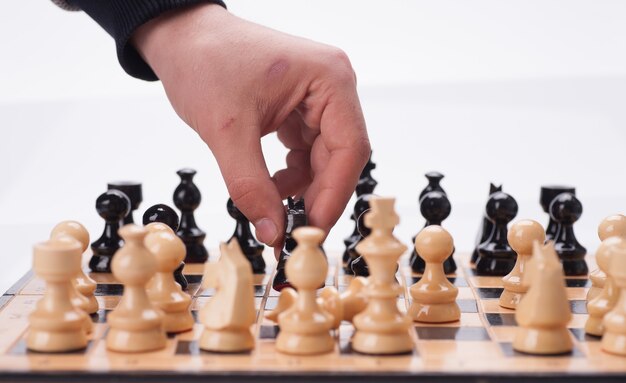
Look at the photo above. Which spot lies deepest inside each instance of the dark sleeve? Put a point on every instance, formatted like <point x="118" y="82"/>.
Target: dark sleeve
<point x="120" y="18"/>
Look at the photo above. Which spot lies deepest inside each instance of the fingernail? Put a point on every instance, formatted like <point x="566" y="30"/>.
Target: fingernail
<point x="266" y="231"/>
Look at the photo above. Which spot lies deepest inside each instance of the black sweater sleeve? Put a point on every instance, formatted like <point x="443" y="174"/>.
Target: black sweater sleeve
<point x="120" y="18"/>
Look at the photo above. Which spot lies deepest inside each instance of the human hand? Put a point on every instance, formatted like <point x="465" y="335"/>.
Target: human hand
<point x="234" y="82"/>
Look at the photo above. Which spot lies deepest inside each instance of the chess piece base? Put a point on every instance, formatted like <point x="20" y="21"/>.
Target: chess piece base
<point x="226" y="341"/>
<point x="573" y="267"/>
<point x="136" y="341"/>
<point x="382" y="344"/>
<point x="434" y="313"/>
<point x="594" y="326"/>
<point x="543" y="341"/>
<point x="176" y="322"/>
<point x="494" y="266"/>
<point x="614" y="343"/>
<point x="100" y="263"/>
<point x="56" y="341"/>
<point x="510" y="299"/>
<point x="304" y="344"/>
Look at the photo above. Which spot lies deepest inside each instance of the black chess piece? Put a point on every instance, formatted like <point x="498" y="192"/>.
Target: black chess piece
<point x="495" y="256"/>
<point x="112" y="206"/>
<point x="435" y="208"/>
<point x="485" y="228"/>
<point x="187" y="198"/>
<point x="133" y="192"/>
<point x="548" y="194"/>
<point x="356" y="263"/>
<point x="296" y="217"/>
<point x="366" y="185"/>
<point x="565" y="210"/>
<point x="251" y="248"/>
<point x="434" y="184"/>
<point x="166" y="215"/>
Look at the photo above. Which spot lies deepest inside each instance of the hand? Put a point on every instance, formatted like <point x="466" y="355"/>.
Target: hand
<point x="234" y="81"/>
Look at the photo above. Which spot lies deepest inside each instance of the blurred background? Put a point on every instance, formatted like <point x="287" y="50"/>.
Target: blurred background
<point x="523" y="93"/>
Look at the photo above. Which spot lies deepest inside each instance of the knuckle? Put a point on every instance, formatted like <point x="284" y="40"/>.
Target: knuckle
<point x="340" y="66"/>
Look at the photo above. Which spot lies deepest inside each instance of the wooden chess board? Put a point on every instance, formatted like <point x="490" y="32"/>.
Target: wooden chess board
<point x="477" y="348"/>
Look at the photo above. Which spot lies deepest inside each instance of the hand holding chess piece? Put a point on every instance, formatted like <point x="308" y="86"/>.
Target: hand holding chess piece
<point x="57" y="325"/>
<point x="521" y="237"/>
<point x="434" y="297"/>
<point x="228" y="316"/>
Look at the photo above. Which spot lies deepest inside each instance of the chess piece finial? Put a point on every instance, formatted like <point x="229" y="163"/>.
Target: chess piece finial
<point x="55" y="324"/>
<point x="251" y="248"/>
<point x="565" y="210"/>
<point x="112" y="206"/>
<point x="544" y="312"/>
<point x="296" y="217"/>
<point x="611" y="226"/>
<point x="84" y="284"/>
<point x="547" y="195"/>
<point x="435" y="208"/>
<point x="486" y="227"/>
<point x="187" y="198"/>
<point x="495" y="255"/>
<point x="135" y="196"/>
<point x="163" y="291"/>
<point x="135" y="325"/>
<point x="381" y="328"/>
<point x="165" y="215"/>
<point x="609" y="295"/>
<point x="434" y="184"/>
<point x="227" y="317"/>
<point x="434" y="297"/>
<point x="614" y="338"/>
<point x="305" y="327"/>
<point x="522" y="235"/>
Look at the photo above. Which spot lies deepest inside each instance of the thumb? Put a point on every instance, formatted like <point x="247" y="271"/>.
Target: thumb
<point x="240" y="159"/>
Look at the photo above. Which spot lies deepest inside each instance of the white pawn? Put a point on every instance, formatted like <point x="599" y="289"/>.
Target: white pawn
<point x="611" y="226"/>
<point x="230" y="313"/>
<point x="604" y="302"/>
<point x="381" y="328"/>
<point x="84" y="284"/>
<point x="167" y="295"/>
<point x="56" y="325"/>
<point x="614" y="338"/>
<point x="305" y="326"/>
<point x="135" y="325"/>
<point x="434" y="297"/>
<point x="521" y="237"/>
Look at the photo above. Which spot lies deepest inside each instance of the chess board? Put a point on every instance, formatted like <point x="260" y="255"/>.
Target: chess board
<point x="477" y="348"/>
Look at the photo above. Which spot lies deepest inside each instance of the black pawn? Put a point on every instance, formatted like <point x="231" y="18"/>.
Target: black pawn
<point x="485" y="228"/>
<point x="548" y="194"/>
<point x="166" y="215"/>
<point x="112" y="206"/>
<point x="366" y="185"/>
<point x="296" y="217"/>
<point x="133" y="192"/>
<point x="566" y="209"/>
<point x="187" y="198"/>
<point x="435" y="208"/>
<point x="251" y="248"/>
<point x="495" y="256"/>
<point x="356" y="263"/>
<point x="434" y="184"/>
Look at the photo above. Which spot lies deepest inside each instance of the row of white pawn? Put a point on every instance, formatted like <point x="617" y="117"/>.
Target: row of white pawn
<point x="152" y="304"/>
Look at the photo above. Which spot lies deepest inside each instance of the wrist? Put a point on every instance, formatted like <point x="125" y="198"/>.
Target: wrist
<point x="155" y="39"/>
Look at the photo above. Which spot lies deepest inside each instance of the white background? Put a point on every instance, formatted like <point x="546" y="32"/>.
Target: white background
<point x="519" y="92"/>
